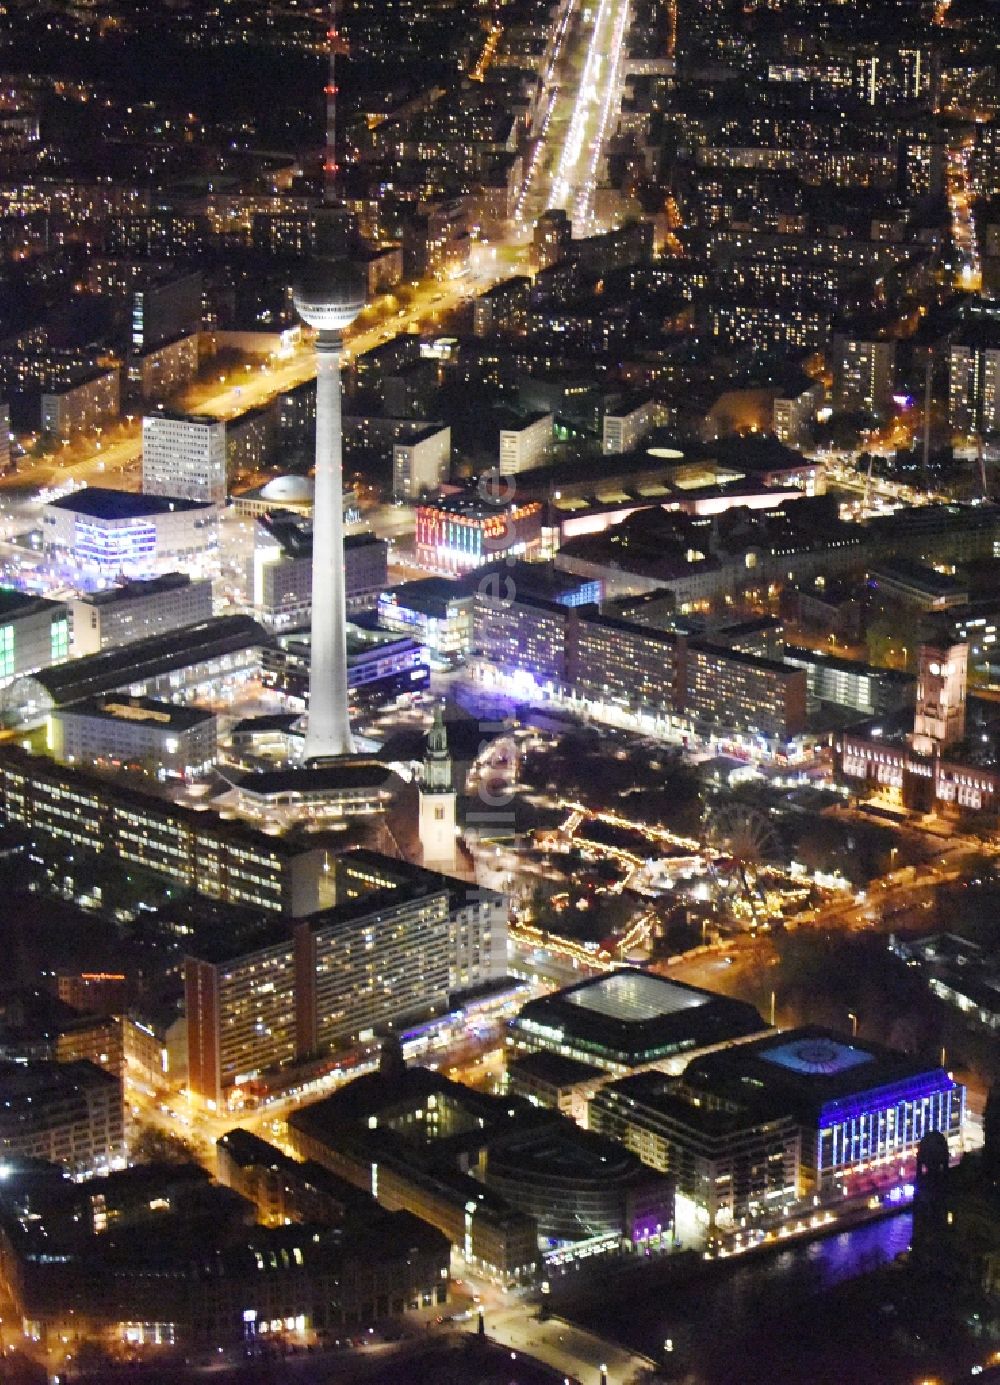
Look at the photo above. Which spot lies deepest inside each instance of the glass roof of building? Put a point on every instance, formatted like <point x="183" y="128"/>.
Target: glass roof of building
<point x="635" y="997"/>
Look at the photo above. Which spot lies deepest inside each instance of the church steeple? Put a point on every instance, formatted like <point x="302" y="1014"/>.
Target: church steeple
<point x="438" y="800"/>
<point x="437" y="775"/>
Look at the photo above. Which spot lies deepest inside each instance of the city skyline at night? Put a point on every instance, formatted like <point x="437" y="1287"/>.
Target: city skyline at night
<point x="500" y="691"/>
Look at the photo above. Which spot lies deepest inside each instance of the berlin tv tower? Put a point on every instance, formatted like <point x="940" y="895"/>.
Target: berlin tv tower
<point x="328" y="296"/>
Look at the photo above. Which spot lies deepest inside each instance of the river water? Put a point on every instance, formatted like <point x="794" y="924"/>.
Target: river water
<point x="766" y="1318"/>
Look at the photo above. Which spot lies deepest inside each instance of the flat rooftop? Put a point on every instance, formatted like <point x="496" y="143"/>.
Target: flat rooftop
<point x="631" y="1018"/>
<point x="798" y="654"/>
<point x="664" y="456"/>
<point x="429" y="595"/>
<point x="46" y="1082"/>
<point x="816" y="1057"/>
<point x="363" y="642"/>
<point x="920" y="576"/>
<point x="342" y="776"/>
<point x="99" y="502"/>
<point x="179" y="416"/>
<point x="936" y="519"/>
<point x="137" y="590"/>
<point x="46" y="775"/>
<point x="14" y="604"/>
<point x="629" y="404"/>
<point x="472" y="504"/>
<point x="377" y="1093"/>
<point x="635" y="997"/>
<point x="124" y="665"/>
<point x="552" y="1068"/>
<point x="147" y="711"/>
<point x="559" y="1151"/>
<point x="294" y="534"/>
<point x="814" y="1073"/>
<point x="507" y="420"/>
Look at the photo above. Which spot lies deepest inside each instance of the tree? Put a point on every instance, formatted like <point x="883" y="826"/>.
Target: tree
<point x="845" y="430"/>
<point x="91" y="1356"/>
<point x="152" y="1145"/>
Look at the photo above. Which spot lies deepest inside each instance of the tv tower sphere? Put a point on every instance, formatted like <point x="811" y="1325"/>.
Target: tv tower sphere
<point x="329" y="294"/>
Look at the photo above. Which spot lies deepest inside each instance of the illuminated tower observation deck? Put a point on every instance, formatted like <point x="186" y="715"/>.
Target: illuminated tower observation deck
<point x="328" y="296"/>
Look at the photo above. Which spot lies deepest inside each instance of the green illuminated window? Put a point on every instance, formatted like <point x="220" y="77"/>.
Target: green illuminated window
<point x="7" y="651"/>
<point x="60" y="639"/>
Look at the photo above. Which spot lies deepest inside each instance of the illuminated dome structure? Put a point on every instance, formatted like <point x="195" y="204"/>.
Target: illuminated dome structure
<point x="329" y="294"/>
<point x="288" y="490"/>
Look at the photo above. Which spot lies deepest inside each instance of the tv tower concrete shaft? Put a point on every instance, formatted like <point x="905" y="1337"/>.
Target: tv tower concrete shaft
<point x="328" y="729"/>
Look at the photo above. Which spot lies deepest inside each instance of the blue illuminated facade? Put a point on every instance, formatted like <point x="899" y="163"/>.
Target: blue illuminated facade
<point x="861" y="1109"/>
<point x="437" y="611"/>
<point x="586" y="594"/>
<point x="113" y="549"/>
<point x="859" y="1133"/>
<point x="101" y="535"/>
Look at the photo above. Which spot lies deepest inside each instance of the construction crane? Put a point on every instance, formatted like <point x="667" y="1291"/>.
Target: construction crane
<point x="866" y="500"/>
<point x="928" y="386"/>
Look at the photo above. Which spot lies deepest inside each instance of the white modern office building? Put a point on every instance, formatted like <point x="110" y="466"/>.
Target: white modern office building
<point x="184" y="455"/>
<point x="136" y="610"/>
<point x="144" y="734"/>
<point x="107" y="535"/>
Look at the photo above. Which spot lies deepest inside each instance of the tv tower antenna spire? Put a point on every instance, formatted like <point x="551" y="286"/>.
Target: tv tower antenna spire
<point x="335" y="45"/>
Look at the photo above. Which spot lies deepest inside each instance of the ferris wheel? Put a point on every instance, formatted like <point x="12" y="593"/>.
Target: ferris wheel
<point x="740" y="843"/>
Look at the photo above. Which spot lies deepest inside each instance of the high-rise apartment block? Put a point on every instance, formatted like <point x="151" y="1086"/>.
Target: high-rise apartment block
<point x="90" y="400"/>
<point x="398" y="943"/>
<point x="611" y="666"/>
<point x="156" y="373"/>
<point x="552" y="238"/>
<point x="501" y="307"/>
<point x="626" y="423"/>
<point x="282" y="571"/>
<point x="67" y="811"/>
<point x="420" y="463"/>
<point x="184" y="455"/>
<point x="974" y="383"/>
<point x="525" y="442"/>
<point x="795" y="413"/>
<point x="66" y="1113"/>
<point x="864" y="374"/>
<point x="161" y="309"/>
